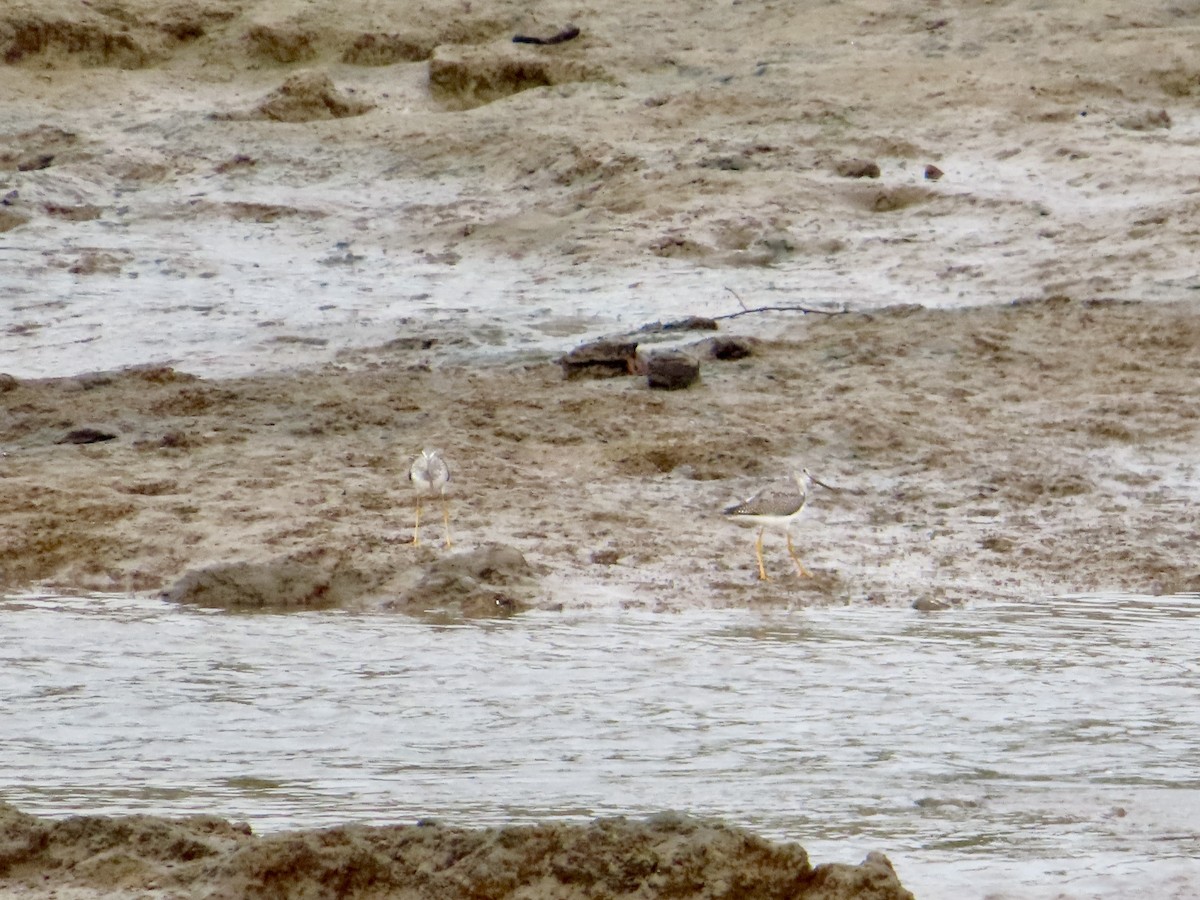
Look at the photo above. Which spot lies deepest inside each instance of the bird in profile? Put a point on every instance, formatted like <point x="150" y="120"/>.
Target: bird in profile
<point x="429" y="475"/>
<point x="776" y="506"/>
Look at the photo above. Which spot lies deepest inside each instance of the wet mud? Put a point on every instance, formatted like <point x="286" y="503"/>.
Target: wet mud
<point x="1045" y="447"/>
<point x="667" y="856"/>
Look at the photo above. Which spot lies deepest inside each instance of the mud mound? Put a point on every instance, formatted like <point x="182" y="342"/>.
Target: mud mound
<point x="375" y="49"/>
<point x="307" y="97"/>
<point x="310" y="35"/>
<point x="52" y="33"/>
<point x="465" y="77"/>
<point x="665" y="856"/>
<point x="283" y="584"/>
<point x="494" y="580"/>
<point x="90" y="41"/>
<point x="37" y="148"/>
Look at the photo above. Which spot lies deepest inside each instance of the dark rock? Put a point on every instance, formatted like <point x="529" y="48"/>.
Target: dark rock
<point x="999" y="543"/>
<point x="604" y="358"/>
<point x="282" y="584"/>
<point x="729" y="348"/>
<point x="672" y="370"/>
<point x="857" y="168"/>
<point x="567" y="34"/>
<point x="86" y="436"/>
<point x="689" y="323"/>
<point x="33" y="163"/>
<point x="933" y="173"/>
<point x="931" y="604"/>
<point x="728" y="163"/>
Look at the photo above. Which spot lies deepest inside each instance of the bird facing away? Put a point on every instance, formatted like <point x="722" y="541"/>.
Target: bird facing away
<point x="776" y="506"/>
<point x="429" y="475"/>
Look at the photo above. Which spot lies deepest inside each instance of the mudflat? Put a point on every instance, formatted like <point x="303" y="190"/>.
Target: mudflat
<point x="984" y="453"/>
<point x="1021" y="164"/>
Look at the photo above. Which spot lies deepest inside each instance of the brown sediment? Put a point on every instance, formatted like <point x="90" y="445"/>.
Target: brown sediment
<point x="667" y="855"/>
<point x="996" y="452"/>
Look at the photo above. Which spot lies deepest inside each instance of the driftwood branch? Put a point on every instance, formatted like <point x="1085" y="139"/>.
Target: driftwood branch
<point x="746" y="310"/>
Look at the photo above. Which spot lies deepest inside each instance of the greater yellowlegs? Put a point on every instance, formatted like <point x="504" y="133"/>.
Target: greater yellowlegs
<point x="429" y="475"/>
<point x="776" y="506"/>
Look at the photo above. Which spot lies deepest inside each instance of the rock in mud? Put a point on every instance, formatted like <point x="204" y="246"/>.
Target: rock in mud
<point x="727" y="348"/>
<point x="277" y="585"/>
<point x="86" y="436"/>
<point x="604" y="358"/>
<point x="858" y="168"/>
<point x="672" y="370"/>
<point x="688" y="323"/>
<point x="494" y="580"/>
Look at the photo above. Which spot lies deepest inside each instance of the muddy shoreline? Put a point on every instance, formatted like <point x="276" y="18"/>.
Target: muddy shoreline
<point x="1045" y="447"/>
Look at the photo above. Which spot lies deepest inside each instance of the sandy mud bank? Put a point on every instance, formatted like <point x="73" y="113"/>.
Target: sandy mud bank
<point x="665" y="856"/>
<point x="998" y="452"/>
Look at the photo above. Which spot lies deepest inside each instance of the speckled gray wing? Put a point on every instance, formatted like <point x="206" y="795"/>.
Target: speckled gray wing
<point x="775" y="500"/>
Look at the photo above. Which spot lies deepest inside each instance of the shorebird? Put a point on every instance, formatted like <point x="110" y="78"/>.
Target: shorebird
<point x="429" y="475"/>
<point x="776" y="506"/>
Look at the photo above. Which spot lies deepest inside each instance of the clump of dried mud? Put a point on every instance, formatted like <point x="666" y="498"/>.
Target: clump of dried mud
<point x="665" y="856"/>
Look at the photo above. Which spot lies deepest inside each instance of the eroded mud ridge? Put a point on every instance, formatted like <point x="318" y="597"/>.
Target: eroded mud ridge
<point x="667" y="856"/>
<point x="1043" y="447"/>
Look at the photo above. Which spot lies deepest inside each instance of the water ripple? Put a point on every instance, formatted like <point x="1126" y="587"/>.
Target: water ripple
<point x="1040" y="742"/>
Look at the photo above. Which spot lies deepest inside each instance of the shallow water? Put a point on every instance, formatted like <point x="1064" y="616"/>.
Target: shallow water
<point x="1038" y="749"/>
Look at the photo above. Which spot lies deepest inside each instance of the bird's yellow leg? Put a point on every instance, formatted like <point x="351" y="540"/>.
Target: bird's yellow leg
<point x="799" y="565"/>
<point x="446" y="519"/>
<point x="417" y="525"/>
<point x="762" y="571"/>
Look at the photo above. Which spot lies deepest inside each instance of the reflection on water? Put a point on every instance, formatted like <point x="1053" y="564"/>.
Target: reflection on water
<point x="1031" y="749"/>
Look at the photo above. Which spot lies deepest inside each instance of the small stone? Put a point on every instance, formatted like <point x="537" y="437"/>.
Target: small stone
<point x="85" y="436"/>
<point x="33" y="163"/>
<point x="672" y="370"/>
<point x="729" y="348"/>
<point x="933" y="173"/>
<point x="857" y="168"/>
<point x="930" y="604"/>
<point x="601" y="359"/>
<point x="688" y="323"/>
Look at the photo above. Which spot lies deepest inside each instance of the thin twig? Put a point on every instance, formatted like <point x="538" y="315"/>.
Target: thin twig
<point x="801" y="309"/>
<point x="741" y="302"/>
<point x="745" y="310"/>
